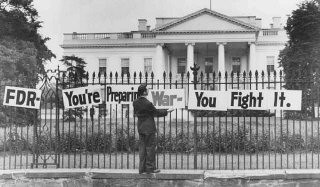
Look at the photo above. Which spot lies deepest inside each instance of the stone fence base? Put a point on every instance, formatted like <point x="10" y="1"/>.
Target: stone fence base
<point x="167" y="178"/>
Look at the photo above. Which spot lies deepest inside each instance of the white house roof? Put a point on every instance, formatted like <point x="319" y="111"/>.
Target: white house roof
<point x="205" y="20"/>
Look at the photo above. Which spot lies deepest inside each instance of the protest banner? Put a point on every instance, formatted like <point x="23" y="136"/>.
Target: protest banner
<point x="167" y="98"/>
<point x="245" y="99"/>
<point x="121" y="94"/>
<point x="81" y="97"/>
<point x="265" y="99"/>
<point x="207" y="100"/>
<point x="22" y="97"/>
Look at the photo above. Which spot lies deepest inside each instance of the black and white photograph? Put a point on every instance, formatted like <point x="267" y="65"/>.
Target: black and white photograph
<point x="159" y="93"/>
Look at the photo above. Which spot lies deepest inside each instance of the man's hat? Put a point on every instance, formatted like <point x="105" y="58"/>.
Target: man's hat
<point x="142" y="88"/>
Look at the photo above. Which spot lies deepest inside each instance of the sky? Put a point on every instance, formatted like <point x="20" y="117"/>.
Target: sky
<point x="98" y="16"/>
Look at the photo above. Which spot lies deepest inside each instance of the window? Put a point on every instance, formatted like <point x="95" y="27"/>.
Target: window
<point x="270" y="63"/>
<point x="182" y="63"/>
<point x="208" y="65"/>
<point x="124" y="66"/>
<point x="148" y="65"/>
<point x="102" y="66"/>
<point x="236" y="64"/>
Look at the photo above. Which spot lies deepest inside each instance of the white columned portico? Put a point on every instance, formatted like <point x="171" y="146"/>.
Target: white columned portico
<point x="190" y="58"/>
<point x="159" y="66"/>
<point x="221" y="58"/>
<point x="252" y="57"/>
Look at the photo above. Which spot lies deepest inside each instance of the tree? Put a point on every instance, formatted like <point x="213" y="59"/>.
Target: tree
<point x="300" y="58"/>
<point x="76" y="77"/>
<point x="22" y="54"/>
<point x="19" y="21"/>
<point x="75" y="69"/>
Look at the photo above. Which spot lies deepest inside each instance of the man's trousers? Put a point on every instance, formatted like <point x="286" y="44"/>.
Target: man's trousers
<point x="147" y="152"/>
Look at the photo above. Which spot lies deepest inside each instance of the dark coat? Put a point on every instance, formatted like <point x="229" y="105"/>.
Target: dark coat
<point x="145" y="111"/>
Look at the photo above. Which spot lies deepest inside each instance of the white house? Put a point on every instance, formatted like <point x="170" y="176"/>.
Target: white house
<point x="214" y="41"/>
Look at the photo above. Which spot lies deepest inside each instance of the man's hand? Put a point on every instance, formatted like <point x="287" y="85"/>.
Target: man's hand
<point x="170" y="110"/>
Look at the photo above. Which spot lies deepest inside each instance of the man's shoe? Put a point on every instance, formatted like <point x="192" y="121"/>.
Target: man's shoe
<point x="153" y="171"/>
<point x="156" y="171"/>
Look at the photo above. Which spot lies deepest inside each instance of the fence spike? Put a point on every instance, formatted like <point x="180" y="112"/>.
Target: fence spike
<point x="170" y="75"/>
<point x="226" y="74"/>
<point x="140" y="74"/>
<point x="164" y="75"/>
<point x="256" y="73"/>
<point x="110" y="75"/>
<point x="116" y="75"/>
<point x="188" y="74"/>
<point x="262" y="73"/>
<point x="219" y="74"/>
<point x="152" y="75"/>
<point x="280" y="73"/>
<point x="274" y="73"/>
<point x="232" y="74"/>
<point x="214" y="75"/>
<point x="105" y="74"/>
<point x="250" y="74"/>
<point x="244" y="74"/>
<point x="128" y="75"/>
<point x="146" y="74"/>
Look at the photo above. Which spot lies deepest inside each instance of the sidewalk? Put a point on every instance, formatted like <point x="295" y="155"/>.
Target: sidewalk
<point x="120" y="177"/>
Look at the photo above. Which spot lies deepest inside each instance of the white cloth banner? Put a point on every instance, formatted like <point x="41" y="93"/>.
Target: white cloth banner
<point x="167" y="98"/>
<point x="245" y="99"/>
<point x="265" y="99"/>
<point x="22" y="97"/>
<point x="207" y="100"/>
<point x="81" y="97"/>
<point x="121" y="94"/>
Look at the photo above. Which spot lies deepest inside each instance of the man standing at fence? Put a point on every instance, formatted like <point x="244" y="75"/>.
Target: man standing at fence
<point x="145" y="111"/>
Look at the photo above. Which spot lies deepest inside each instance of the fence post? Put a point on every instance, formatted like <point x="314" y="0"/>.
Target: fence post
<point x="57" y="157"/>
<point x="195" y="70"/>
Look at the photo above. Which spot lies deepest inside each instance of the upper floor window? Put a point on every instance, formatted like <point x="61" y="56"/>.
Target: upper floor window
<point x="182" y="64"/>
<point x="148" y="65"/>
<point x="236" y="64"/>
<point x="125" y="66"/>
<point x="208" y="65"/>
<point x="270" y="63"/>
<point x="102" y="66"/>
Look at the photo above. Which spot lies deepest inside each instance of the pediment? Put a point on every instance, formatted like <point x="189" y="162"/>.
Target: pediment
<point x="206" y="20"/>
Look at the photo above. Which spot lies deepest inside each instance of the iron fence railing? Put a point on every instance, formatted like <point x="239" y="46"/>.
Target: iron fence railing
<point x="186" y="139"/>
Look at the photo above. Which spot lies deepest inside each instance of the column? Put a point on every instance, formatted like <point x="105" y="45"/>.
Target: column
<point x="221" y="58"/>
<point x="252" y="57"/>
<point x="190" y="59"/>
<point x="159" y="65"/>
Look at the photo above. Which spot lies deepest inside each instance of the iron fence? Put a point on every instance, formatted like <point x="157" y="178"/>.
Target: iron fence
<point x="186" y="139"/>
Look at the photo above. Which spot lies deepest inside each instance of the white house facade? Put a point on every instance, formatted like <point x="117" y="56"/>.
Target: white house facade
<point x="214" y="41"/>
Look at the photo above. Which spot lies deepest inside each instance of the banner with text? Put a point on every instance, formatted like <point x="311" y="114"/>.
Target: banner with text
<point x="207" y="100"/>
<point x="121" y="94"/>
<point x="81" y="97"/>
<point x="245" y="99"/>
<point x="167" y="98"/>
<point x="22" y="97"/>
<point x="265" y="99"/>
